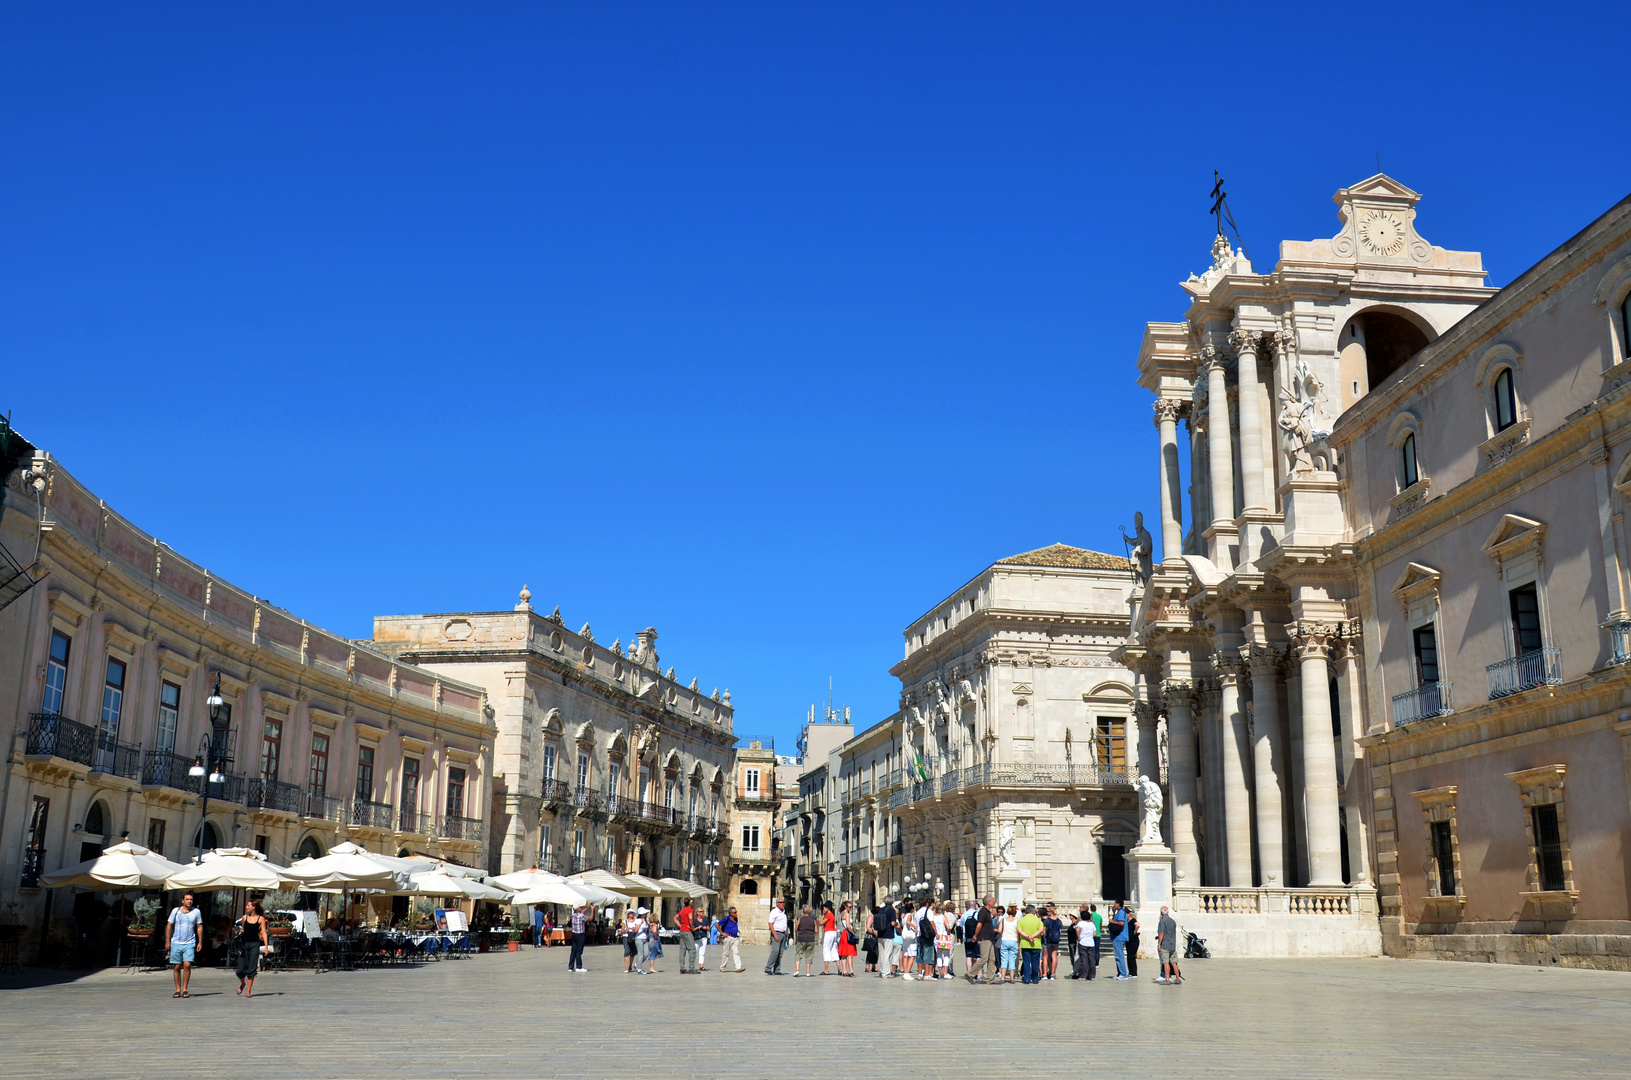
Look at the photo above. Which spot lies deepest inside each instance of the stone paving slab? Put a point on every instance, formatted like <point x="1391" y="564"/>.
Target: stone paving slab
<point x="523" y="1016"/>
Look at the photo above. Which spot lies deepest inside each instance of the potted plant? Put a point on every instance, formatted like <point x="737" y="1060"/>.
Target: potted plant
<point x="278" y="924"/>
<point x="143" y="918"/>
<point x="515" y="940"/>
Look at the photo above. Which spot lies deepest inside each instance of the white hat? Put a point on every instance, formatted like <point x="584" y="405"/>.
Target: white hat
<point x="642" y="911"/>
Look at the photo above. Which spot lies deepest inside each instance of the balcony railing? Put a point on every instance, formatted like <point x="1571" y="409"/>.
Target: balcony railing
<point x="33" y="866"/>
<point x="894" y="846"/>
<point x="263" y="794"/>
<point x="459" y="828"/>
<point x="54" y="735"/>
<point x="866" y="786"/>
<point x="1428" y="699"/>
<point x="1619" y="637"/>
<point x="577" y="864"/>
<point x="325" y="807"/>
<point x="556" y="792"/>
<point x="372" y="815"/>
<point x="1538" y="667"/>
<point x="588" y="801"/>
<point x="164" y="768"/>
<point x="409" y="820"/>
<point x="621" y="807"/>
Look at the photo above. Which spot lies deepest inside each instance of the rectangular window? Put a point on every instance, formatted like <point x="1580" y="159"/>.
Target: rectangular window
<point x="1548" y="847"/>
<point x="34" y="843"/>
<point x="750" y="838"/>
<point x="365" y="773"/>
<point x="693" y="808"/>
<point x="113" y="707"/>
<point x="169" y="716"/>
<point x="614" y="779"/>
<point x="1112" y="739"/>
<point x="1443" y="857"/>
<point x="642" y="792"/>
<point x="543" y="845"/>
<point x="577" y="849"/>
<point x="715" y="818"/>
<point x="583" y="772"/>
<point x="271" y="749"/>
<point x="753" y="781"/>
<point x="1426" y="645"/>
<point x="56" y="673"/>
<point x="455" y="793"/>
<point x="410" y="790"/>
<point x="317" y="775"/>
<point x="1525" y="605"/>
<point x="668" y="795"/>
<point x="155" y="836"/>
<point x="549" y="761"/>
<point x="263" y="844"/>
<point x="611" y="854"/>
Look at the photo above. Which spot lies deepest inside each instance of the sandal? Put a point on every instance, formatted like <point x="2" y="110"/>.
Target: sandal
<point x="185" y="994"/>
<point x="176" y="994"/>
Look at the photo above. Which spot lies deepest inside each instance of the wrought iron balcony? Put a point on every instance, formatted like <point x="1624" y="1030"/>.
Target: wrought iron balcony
<point x="366" y="814"/>
<point x="33" y="867"/>
<point x="325" y="807"/>
<point x="1619" y="637"/>
<point x="894" y="846"/>
<point x="409" y="820"/>
<point x="621" y="807"/>
<point x="164" y="768"/>
<point x="54" y="735"/>
<point x="588" y="802"/>
<point x="458" y="828"/>
<point x="264" y="794"/>
<point x="556" y="793"/>
<point x="577" y="864"/>
<point x="1429" y="699"/>
<point x="866" y="786"/>
<point x="1538" y="667"/>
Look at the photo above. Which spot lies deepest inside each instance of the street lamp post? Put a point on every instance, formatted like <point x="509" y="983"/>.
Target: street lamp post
<point x="209" y="763"/>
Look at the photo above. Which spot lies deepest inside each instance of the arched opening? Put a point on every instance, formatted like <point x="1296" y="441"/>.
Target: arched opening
<point x="309" y="849"/>
<point x="206" y="837"/>
<point x="96" y="820"/>
<point x="749" y="887"/>
<point x="1371" y="347"/>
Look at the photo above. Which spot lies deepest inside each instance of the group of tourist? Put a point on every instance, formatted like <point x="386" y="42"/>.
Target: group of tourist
<point x="916" y="941"/>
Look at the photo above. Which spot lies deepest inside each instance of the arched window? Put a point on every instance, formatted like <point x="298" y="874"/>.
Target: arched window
<point x="206" y="837"/>
<point x="749" y="887"/>
<point x="1506" y="402"/>
<point x="1409" y="474"/>
<point x="309" y="849"/>
<point x="96" y="822"/>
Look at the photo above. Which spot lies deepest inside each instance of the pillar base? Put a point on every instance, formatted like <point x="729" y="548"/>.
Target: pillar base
<point x="1150" y="883"/>
<point x="1011" y="886"/>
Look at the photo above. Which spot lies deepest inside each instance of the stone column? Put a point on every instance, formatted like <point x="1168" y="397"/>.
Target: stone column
<point x="1350" y="694"/>
<point x="1211" y="784"/>
<point x="1180" y="698"/>
<point x="1172" y="530"/>
<point x="1319" y="757"/>
<point x="1267" y="756"/>
<point x="1221" y="456"/>
<point x="1235" y="821"/>
<point x="1149" y="747"/>
<point x="1253" y="495"/>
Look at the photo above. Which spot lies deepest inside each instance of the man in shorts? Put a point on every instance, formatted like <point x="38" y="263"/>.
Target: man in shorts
<point x="1166" y="944"/>
<point x="181" y="937"/>
<point x="968" y="921"/>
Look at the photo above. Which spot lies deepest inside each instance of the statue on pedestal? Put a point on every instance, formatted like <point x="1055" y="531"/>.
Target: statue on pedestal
<point x="1005" y="847"/>
<point x="1140" y="549"/>
<point x="1150" y="800"/>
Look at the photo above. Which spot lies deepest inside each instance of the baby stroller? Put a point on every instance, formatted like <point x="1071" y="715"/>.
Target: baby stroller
<point x="1196" y="948"/>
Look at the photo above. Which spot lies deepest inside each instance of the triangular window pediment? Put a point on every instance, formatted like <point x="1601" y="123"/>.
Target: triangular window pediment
<point x="1415" y="578"/>
<point x="1513" y="533"/>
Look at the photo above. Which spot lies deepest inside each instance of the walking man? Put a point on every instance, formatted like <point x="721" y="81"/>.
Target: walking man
<point x="985" y="929"/>
<point x="537" y="927"/>
<point x="181" y="938"/>
<point x="887" y="925"/>
<point x="804" y="942"/>
<point x="1118" y="938"/>
<point x="730" y="941"/>
<point x="1166" y="946"/>
<point x="580" y="927"/>
<point x="684" y="923"/>
<point x="778" y="937"/>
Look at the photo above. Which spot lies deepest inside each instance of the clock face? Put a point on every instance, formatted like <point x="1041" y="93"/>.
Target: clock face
<point x="1382" y="233"/>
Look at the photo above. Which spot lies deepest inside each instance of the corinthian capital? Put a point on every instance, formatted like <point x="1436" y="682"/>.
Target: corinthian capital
<point x="1207" y="358"/>
<point x="1167" y="410"/>
<point x="1263" y="659"/>
<point x="1284" y="342"/>
<point x="1244" y="341"/>
<point x="1228" y="664"/>
<point x="1311" y="640"/>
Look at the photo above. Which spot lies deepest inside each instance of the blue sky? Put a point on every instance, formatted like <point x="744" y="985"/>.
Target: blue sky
<point x="765" y="325"/>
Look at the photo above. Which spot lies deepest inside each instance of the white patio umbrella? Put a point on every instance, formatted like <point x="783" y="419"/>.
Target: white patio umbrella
<point x="389" y="862"/>
<point x="650" y="887"/>
<point x="122" y="866"/>
<point x="691" y="888"/>
<point x="524" y="879"/>
<point x="605" y="879"/>
<point x="348" y="871"/>
<point x="551" y="892"/>
<point x="231" y="868"/>
<point x="437" y="884"/>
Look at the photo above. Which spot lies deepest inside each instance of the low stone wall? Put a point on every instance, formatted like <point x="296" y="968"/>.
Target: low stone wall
<point x="1277" y="922"/>
<point x="1607" y="952"/>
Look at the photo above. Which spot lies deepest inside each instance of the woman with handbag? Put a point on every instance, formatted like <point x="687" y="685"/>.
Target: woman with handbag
<point x="249" y="942"/>
<point x="943" y="921"/>
<point x="847" y="939"/>
<point x="869" y="943"/>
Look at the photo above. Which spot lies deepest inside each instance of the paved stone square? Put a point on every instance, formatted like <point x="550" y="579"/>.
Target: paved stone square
<point x="522" y="1015"/>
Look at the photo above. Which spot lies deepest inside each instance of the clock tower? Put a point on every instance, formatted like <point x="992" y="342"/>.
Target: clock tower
<point x="1379" y="224"/>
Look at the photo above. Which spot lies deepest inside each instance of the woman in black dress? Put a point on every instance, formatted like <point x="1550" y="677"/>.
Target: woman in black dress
<point x="251" y="937"/>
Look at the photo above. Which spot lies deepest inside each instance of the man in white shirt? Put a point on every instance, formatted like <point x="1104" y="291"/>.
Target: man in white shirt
<point x="778" y="937"/>
<point x="181" y="938"/>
